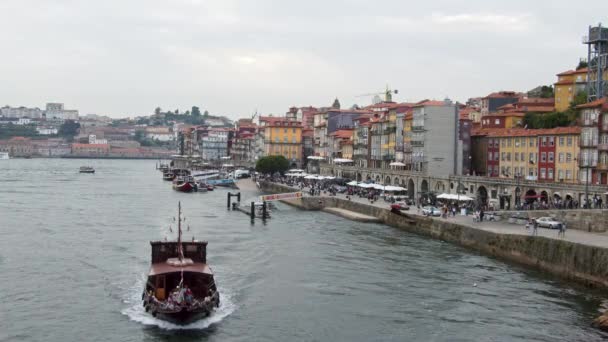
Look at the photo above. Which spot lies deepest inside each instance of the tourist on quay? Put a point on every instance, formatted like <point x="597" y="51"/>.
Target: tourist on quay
<point x="481" y="215"/>
<point x="534" y="227"/>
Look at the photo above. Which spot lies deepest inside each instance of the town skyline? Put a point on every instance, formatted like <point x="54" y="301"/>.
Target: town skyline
<point x="196" y="53"/>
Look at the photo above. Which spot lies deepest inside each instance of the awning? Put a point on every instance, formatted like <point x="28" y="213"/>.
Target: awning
<point x="396" y="164"/>
<point x="342" y="160"/>
<point x="315" y="158"/>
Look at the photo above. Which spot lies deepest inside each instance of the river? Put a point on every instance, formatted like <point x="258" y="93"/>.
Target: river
<point x="74" y="253"/>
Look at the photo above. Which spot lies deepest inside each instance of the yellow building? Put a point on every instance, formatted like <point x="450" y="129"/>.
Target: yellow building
<point x="282" y="137"/>
<point x="569" y="83"/>
<point x="407" y="138"/>
<point x="518" y="153"/>
<point x="567" y="150"/>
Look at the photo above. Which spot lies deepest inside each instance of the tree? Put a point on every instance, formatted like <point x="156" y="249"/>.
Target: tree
<point x="546" y="92"/>
<point x="177" y="112"/>
<point x="69" y="129"/>
<point x="581" y="64"/>
<point x="272" y="164"/>
<point x="205" y="114"/>
<point x="196" y="111"/>
<point x="579" y="99"/>
<point x="157" y="111"/>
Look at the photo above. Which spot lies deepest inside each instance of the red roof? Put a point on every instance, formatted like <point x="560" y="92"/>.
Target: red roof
<point x="522" y="132"/>
<point x="503" y="94"/>
<point x="90" y="145"/>
<point x="572" y="72"/>
<point x="342" y="133"/>
<point x="597" y="103"/>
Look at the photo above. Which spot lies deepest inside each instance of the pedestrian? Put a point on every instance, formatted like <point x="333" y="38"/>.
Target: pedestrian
<point x="560" y="230"/>
<point x="481" y="215"/>
<point x="535" y="228"/>
<point x="454" y="211"/>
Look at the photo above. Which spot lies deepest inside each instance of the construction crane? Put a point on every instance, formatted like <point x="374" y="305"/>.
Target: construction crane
<point x="388" y="94"/>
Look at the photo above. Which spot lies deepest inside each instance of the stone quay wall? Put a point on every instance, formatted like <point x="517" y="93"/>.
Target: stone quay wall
<point x="589" y="220"/>
<point x="578" y="262"/>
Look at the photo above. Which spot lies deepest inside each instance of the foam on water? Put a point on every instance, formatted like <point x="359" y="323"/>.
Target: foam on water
<point x="137" y="313"/>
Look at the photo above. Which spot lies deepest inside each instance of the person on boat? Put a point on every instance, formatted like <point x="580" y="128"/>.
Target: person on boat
<point x="188" y="295"/>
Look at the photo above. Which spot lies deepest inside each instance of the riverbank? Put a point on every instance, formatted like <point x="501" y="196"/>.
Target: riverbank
<point x="579" y="257"/>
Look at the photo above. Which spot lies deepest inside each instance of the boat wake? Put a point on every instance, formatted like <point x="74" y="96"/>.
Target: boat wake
<point x="137" y="313"/>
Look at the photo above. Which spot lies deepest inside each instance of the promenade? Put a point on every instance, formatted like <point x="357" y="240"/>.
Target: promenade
<point x="499" y="227"/>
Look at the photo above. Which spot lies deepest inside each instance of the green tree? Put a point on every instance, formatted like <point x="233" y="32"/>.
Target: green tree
<point x="206" y="114"/>
<point x="272" y="164"/>
<point x="69" y="129"/>
<point x="546" y="92"/>
<point x="581" y="64"/>
<point x="196" y="111"/>
<point x="157" y="111"/>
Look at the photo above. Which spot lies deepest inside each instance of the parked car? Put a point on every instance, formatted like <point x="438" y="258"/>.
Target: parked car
<point x="431" y="211"/>
<point x="548" y="222"/>
<point x="400" y="206"/>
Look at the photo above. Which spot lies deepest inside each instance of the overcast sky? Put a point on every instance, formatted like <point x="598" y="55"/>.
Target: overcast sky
<point x="124" y="58"/>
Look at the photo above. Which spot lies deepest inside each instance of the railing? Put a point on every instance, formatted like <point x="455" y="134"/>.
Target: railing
<point x="605" y="128"/>
<point x="417" y="128"/>
<point x="589" y="122"/>
<point x="417" y="143"/>
<point x="588" y="142"/>
<point x="390" y="130"/>
<point x="388" y="157"/>
<point x="602" y="166"/>
<point x="602" y="147"/>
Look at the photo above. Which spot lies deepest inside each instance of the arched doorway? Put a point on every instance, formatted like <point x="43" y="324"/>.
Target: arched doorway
<point x="517" y="197"/>
<point x="531" y="196"/>
<point x="544" y="197"/>
<point x="396" y="181"/>
<point x="424" y="186"/>
<point x="424" y="192"/>
<point x="482" y="196"/>
<point x="358" y="177"/>
<point x="439" y="187"/>
<point x="411" y="189"/>
<point x="378" y="179"/>
<point x="387" y="180"/>
<point x="403" y="183"/>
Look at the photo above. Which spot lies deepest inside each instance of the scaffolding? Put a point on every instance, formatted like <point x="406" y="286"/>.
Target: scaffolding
<point x="597" y="67"/>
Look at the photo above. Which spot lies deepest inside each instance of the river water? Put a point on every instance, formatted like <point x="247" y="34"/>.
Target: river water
<point x="74" y="253"/>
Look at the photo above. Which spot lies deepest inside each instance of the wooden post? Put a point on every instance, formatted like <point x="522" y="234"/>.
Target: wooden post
<point x="238" y="197"/>
<point x="228" y="200"/>
<point x="252" y="210"/>
<point x="264" y="210"/>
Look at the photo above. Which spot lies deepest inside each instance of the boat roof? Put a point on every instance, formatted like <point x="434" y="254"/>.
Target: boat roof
<point x="164" y="268"/>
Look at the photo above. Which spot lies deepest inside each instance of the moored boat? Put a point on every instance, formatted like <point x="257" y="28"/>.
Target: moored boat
<point x="184" y="184"/>
<point x="180" y="287"/>
<point x="87" y="169"/>
<point x="4" y="155"/>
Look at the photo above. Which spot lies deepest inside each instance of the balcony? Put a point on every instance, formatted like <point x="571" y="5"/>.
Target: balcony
<point x="589" y="122"/>
<point x="390" y="130"/>
<point x="417" y="128"/>
<point x="417" y="143"/>
<point x="605" y="128"/>
<point x="602" y="167"/>
<point x="587" y="163"/>
<point x="588" y="143"/>
<point x="388" y="157"/>
<point x="602" y="147"/>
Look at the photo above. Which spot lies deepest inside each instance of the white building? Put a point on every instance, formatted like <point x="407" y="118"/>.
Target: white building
<point x="21" y="112"/>
<point x="56" y="111"/>
<point x="23" y="121"/>
<point x="434" y="141"/>
<point x="93" y="140"/>
<point x="43" y="130"/>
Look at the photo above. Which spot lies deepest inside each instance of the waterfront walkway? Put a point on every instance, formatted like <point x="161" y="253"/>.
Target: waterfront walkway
<point x="501" y="227"/>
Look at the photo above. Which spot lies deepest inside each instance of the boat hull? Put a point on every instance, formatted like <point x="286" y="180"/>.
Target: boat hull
<point x="183" y="317"/>
<point x="93" y="171"/>
<point x="183" y="187"/>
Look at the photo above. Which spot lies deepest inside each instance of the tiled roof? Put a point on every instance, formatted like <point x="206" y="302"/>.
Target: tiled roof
<point x="522" y="132"/>
<point x="342" y="133"/>
<point x="572" y="72"/>
<point x="597" y="103"/>
<point x="503" y="94"/>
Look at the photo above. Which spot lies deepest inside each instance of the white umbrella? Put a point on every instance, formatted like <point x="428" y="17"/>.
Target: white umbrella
<point x="396" y="164"/>
<point x="342" y="160"/>
<point x="315" y="158"/>
<point x="353" y="183"/>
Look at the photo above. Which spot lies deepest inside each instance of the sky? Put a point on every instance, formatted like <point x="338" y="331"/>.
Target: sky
<point x="232" y="57"/>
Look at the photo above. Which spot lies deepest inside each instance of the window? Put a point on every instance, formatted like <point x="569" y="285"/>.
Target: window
<point x="568" y="174"/>
<point x="531" y="172"/>
<point x="523" y="156"/>
<point x="543" y="173"/>
<point x="509" y="142"/>
<point x="569" y="141"/>
<point x="276" y="139"/>
<point x="544" y="141"/>
<point x="561" y="157"/>
<point x="560" y="174"/>
<point x="285" y="139"/>
<point x="490" y="156"/>
<point x="496" y="156"/>
<point x="568" y="157"/>
<point x="550" y="175"/>
<point x="516" y="156"/>
<point x="532" y="142"/>
<point x="293" y="130"/>
<point x="531" y="157"/>
<point x="502" y="156"/>
<point x="551" y="156"/>
<point x="516" y="142"/>
<point x="504" y="143"/>
<point x="561" y="141"/>
<point x="502" y="170"/>
<point x="551" y="141"/>
<point x="497" y="122"/>
<point x="543" y="157"/>
<point x="508" y="156"/>
<point x="285" y="130"/>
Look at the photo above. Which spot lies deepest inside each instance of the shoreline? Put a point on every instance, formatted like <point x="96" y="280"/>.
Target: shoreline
<point x="575" y="261"/>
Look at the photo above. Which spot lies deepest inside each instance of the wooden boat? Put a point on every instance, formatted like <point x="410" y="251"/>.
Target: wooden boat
<point x="171" y="174"/>
<point x="168" y="176"/>
<point x="86" y="169"/>
<point x="180" y="286"/>
<point x="184" y="184"/>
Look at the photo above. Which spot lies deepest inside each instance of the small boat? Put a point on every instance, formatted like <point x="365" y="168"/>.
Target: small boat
<point x="180" y="288"/>
<point x="227" y="182"/>
<point x="87" y="169"/>
<point x="170" y="174"/>
<point x="184" y="184"/>
<point x="4" y="156"/>
<point x="162" y="167"/>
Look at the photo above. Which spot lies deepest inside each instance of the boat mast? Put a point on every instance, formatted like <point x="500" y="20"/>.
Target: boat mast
<point x="180" y="250"/>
